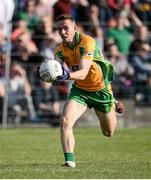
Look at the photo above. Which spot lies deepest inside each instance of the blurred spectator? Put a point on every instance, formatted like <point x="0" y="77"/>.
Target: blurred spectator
<point x="50" y="2"/>
<point x="140" y="36"/>
<point x="96" y="2"/>
<point x="94" y="16"/>
<point x="24" y="47"/>
<point x="122" y="34"/>
<point x="119" y="61"/>
<point x="142" y="65"/>
<point x="19" y="5"/>
<point x="124" y="72"/>
<point x="116" y="5"/>
<point x="80" y="28"/>
<point x="43" y="30"/>
<point x="46" y="101"/>
<point x="44" y="8"/>
<point x="95" y="28"/>
<point x="39" y="32"/>
<point x="143" y="11"/>
<point x="143" y="97"/>
<point x="21" y="27"/>
<point x="19" y="95"/>
<point x="80" y="12"/>
<point x="44" y="11"/>
<point x="62" y="6"/>
<point x="29" y="14"/>
<point x="97" y="33"/>
<point x="47" y="24"/>
<point x="105" y="12"/>
<point x="47" y="49"/>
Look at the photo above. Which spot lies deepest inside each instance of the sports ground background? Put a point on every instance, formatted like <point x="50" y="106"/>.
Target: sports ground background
<point x="34" y="151"/>
<point x="30" y="149"/>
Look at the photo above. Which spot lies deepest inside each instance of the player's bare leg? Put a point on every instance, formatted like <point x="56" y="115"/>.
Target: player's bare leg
<point x="108" y="122"/>
<point x="72" y="111"/>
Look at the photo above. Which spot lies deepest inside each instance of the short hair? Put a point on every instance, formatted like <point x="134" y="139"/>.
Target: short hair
<point x="65" y="16"/>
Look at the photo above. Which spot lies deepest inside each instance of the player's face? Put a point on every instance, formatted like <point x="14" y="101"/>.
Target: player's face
<point x="66" y="30"/>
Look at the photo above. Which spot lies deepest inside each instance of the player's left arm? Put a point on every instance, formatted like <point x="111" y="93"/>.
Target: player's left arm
<point x="82" y="72"/>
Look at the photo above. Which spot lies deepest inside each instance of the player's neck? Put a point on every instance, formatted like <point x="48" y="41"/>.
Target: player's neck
<point x="71" y="43"/>
<point x="74" y="40"/>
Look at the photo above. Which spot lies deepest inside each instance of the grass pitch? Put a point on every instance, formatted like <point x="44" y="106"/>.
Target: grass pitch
<point x="37" y="154"/>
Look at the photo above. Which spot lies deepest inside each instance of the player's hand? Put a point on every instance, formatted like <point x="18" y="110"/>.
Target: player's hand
<point x="62" y="78"/>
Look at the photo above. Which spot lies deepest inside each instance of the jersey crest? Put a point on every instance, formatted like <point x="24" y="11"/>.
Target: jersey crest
<point x="82" y="51"/>
<point x="60" y="55"/>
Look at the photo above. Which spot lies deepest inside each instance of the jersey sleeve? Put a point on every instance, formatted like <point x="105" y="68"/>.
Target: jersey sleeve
<point x="88" y="49"/>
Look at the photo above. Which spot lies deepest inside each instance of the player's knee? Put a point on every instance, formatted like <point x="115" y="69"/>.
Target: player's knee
<point x="65" y="124"/>
<point x="108" y="133"/>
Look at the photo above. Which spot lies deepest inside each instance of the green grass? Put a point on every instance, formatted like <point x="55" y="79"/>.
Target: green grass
<point x="37" y="154"/>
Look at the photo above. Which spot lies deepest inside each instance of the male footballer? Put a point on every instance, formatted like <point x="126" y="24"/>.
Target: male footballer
<point x="92" y="77"/>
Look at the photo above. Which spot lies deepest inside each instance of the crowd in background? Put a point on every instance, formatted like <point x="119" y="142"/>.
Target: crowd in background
<point x="121" y="28"/>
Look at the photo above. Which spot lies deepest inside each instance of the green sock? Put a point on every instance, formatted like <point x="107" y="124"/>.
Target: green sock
<point x="69" y="156"/>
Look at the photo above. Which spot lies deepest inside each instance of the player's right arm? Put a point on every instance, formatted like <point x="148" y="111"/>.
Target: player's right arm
<point x="84" y="63"/>
<point x="80" y="74"/>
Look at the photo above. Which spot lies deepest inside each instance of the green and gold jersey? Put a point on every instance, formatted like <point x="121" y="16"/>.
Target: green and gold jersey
<point x="86" y="47"/>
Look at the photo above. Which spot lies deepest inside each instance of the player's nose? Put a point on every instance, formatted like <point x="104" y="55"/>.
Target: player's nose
<point x="63" y="32"/>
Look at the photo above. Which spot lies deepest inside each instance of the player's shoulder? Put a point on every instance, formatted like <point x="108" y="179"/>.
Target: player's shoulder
<point x="87" y="39"/>
<point x="58" y="47"/>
